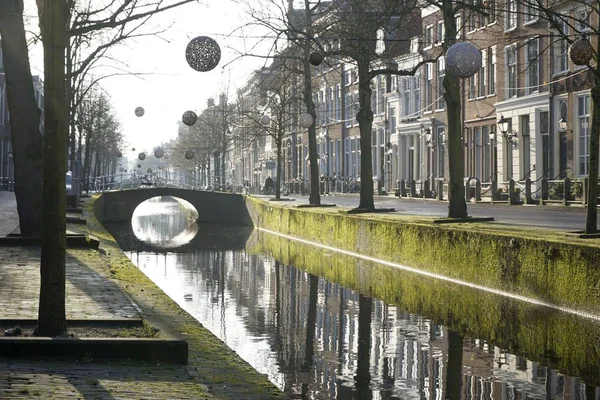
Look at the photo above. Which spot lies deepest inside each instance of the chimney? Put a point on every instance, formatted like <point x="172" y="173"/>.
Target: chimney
<point x="210" y="102"/>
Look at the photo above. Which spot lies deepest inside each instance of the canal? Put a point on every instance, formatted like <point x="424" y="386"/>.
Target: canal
<point x="322" y="325"/>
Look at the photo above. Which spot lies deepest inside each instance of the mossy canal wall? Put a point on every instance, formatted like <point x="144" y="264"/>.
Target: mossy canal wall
<point x="551" y="267"/>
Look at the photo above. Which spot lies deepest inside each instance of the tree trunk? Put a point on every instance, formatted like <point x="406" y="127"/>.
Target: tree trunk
<point x="278" y="177"/>
<point x="52" y="315"/>
<point x="454" y="366"/>
<point x="315" y="196"/>
<point x="26" y="138"/>
<point x="457" y="205"/>
<point x="592" y="192"/>
<point x="362" y="379"/>
<point x="365" y="123"/>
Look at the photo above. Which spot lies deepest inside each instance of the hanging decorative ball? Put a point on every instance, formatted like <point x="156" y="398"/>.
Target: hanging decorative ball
<point x="315" y="58"/>
<point x="463" y="59"/>
<point x="265" y="120"/>
<point x="581" y="51"/>
<point x="119" y="154"/>
<point x="149" y="171"/>
<point x="189" y="118"/>
<point x="142" y="156"/>
<point x="133" y="149"/>
<point x="159" y="152"/>
<point x="139" y="165"/>
<point x="139" y="111"/>
<point x="305" y="120"/>
<point x="203" y="53"/>
<point x="189" y="154"/>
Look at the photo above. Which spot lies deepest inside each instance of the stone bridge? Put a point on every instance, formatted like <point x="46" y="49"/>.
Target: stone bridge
<point x="212" y="207"/>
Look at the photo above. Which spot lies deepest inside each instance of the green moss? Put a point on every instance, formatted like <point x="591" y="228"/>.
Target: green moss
<point x="555" y="339"/>
<point x="548" y="266"/>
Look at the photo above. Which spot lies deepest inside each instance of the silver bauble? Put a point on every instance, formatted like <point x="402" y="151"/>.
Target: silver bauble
<point x="139" y="111"/>
<point x="141" y="156"/>
<point x="265" y="120"/>
<point x="581" y="51"/>
<point x="189" y="118"/>
<point x="189" y="154"/>
<point x="305" y="120"/>
<point x="463" y="60"/>
<point x="315" y="58"/>
<point x="159" y="152"/>
<point x="203" y="53"/>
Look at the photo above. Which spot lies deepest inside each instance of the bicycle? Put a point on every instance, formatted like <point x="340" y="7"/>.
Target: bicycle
<point x="146" y="182"/>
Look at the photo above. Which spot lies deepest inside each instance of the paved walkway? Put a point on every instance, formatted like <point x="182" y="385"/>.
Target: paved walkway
<point x="92" y="294"/>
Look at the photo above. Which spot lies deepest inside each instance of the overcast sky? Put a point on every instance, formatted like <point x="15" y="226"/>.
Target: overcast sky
<point x="174" y="87"/>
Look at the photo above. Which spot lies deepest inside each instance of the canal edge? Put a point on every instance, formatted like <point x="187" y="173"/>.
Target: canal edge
<point x="211" y="363"/>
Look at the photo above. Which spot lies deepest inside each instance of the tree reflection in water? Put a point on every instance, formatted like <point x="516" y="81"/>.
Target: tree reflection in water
<point x="317" y="339"/>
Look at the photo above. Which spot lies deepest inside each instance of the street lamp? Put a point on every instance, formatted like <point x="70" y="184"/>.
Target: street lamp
<point x="492" y="135"/>
<point x="509" y="134"/>
<point x="563" y="124"/>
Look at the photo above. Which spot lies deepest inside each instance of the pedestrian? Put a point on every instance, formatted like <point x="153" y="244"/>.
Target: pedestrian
<point x="268" y="185"/>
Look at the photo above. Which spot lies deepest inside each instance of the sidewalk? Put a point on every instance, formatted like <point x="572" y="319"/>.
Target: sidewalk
<point x="98" y="290"/>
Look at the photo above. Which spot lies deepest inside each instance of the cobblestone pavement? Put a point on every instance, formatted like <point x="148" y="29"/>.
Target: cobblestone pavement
<point x="89" y="295"/>
<point x="9" y="219"/>
<point x="53" y="379"/>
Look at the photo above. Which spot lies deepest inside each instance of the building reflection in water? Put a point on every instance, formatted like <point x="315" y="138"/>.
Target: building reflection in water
<point x="316" y="339"/>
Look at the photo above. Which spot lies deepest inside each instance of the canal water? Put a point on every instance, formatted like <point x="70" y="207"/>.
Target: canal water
<point x="322" y="325"/>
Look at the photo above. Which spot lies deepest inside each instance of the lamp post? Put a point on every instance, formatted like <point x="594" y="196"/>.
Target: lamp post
<point x="10" y="183"/>
<point x="494" y="150"/>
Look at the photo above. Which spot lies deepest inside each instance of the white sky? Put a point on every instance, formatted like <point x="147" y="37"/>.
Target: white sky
<point x="176" y="87"/>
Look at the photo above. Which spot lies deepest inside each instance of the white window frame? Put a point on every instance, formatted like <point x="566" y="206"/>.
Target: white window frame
<point x="509" y="88"/>
<point x="533" y="64"/>
<point x="440" y="102"/>
<point x="583" y="135"/>
<point x="428" y="33"/>
<point x="439" y="33"/>
<point x="560" y="49"/>
<point x="491" y="82"/>
<point x="532" y="14"/>
<point x="510" y="16"/>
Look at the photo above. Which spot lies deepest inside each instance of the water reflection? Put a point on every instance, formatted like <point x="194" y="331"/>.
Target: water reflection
<point x="165" y="222"/>
<point x="318" y="339"/>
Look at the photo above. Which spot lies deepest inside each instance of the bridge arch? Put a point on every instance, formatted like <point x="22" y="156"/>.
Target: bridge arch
<point x="212" y="207"/>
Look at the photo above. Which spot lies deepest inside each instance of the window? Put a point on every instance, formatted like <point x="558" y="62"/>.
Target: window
<point x="348" y="114"/>
<point x="582" y="19"/>
<point x="531" y="13"/>
<point x="337" y="104"/>
<point x="348" y="78"/>
<point x="439" y="34"/>
<point x="410" y="96"/>
<point x="441" y="71"/>
<point x="583" y="129"/>
<point x="510" y="19"/>
<point x="429" y="36"/>
<point x="533" y="66"/>
<point x="392" y="119"/>
<point x="491" y="10"/>
<point x="511" y="71"/>
<point x="428" y="86"/>
<point x="459" y="26"/>
<point x="329" y="105"/>
<point x="472" y="87"/>
<point x="525" y="147"/>
<point x="380" y="92"/>
<point x="481" y="78"/>
<point x="560" y="48"/>
<point x="491" y="70"/>
<point x="440" y="150"/>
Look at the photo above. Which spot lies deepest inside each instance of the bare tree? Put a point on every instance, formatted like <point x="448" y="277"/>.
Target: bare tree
<point x="25" y="119"/>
